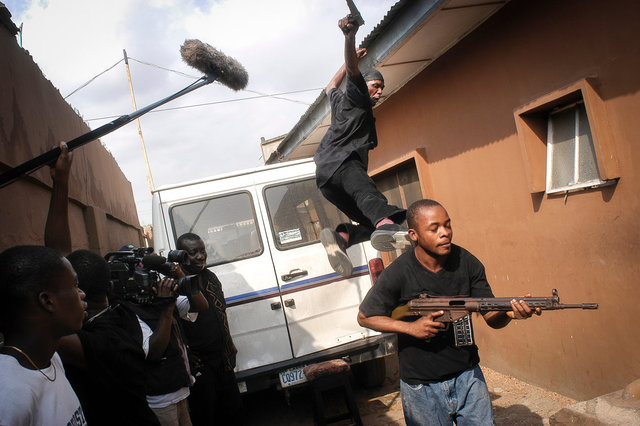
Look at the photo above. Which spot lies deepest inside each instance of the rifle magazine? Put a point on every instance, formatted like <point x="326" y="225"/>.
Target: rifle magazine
<point x="463" y="331"/>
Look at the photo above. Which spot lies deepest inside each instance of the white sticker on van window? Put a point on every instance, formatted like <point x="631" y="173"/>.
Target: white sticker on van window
<point x="290" y="236"/>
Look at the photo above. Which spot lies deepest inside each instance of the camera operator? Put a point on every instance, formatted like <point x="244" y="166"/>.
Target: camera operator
<point x="167" y="368"/>
<point x="104" y="361"/>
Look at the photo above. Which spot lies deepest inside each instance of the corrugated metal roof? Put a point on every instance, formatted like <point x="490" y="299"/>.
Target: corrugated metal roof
<point x="412" y="35"/>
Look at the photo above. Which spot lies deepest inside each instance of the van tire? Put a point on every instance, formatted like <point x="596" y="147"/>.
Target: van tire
<point x="370" y="374"/>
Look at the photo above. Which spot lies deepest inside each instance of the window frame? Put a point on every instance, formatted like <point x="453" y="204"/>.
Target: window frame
<point x="578" y="185"/>
<point x="532" y="127"/>
<point x="419" y="158"/>
<point x="274" y="235"/>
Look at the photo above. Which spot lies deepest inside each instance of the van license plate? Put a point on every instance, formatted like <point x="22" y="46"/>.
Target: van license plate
<point x="292" y="376"/>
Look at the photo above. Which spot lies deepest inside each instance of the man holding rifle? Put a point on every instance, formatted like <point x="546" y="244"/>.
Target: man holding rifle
<point x="440" y="383"/>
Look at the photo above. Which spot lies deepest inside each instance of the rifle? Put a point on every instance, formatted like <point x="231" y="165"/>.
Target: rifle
<point x="457" y="310"/>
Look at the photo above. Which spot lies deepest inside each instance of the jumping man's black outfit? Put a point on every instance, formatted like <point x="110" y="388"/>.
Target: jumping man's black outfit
<point x="342" y="160"/>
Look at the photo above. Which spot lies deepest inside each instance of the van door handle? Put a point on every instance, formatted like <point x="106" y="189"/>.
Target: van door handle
<point x="290" y="303"/>
<point x="294" y="273"/>
<point x="275" y="306"/>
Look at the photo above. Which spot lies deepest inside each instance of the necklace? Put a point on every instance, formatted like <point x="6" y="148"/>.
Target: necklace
<point x="33" y="363"/>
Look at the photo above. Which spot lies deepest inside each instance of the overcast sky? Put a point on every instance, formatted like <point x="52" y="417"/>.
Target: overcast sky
<point x="285" y="46"/>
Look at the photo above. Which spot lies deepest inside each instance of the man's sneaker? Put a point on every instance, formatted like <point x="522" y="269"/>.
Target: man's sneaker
<point x="390" y="237"/>
<point x="336" y="248"/>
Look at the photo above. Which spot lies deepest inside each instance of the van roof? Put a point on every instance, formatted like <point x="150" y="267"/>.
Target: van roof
<point x="234" y="173"/>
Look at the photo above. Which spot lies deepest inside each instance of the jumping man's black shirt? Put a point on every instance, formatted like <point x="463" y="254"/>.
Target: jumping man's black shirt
<point x="352" y="129"/>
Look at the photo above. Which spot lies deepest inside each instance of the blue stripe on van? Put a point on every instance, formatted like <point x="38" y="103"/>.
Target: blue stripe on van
<point x="318" y="281"/>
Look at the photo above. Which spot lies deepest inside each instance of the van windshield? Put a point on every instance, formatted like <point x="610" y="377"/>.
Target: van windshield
<point x="226" y="224"/>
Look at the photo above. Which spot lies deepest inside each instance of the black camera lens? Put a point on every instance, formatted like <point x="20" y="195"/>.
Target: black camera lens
<point x="179" y="256"/>
<point x="188" y="286"/>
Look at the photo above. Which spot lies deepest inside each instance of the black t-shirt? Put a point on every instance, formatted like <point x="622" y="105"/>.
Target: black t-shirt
<point x="439" y="359"/>
<point x="112" y="387"/>
<point x="352" y="129"/>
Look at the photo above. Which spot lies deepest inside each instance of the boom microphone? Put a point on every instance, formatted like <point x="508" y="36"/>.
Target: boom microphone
<point x="195" y="53"/>
<point x="209" y="60"/>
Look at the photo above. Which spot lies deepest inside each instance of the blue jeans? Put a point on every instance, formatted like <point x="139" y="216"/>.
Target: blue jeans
<point x="464" y="400"/>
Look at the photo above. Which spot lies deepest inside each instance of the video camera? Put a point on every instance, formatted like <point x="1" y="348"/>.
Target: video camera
<point x="135" y="271"/>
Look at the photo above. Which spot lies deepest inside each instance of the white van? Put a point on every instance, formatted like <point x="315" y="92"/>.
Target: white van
<point x="286" y="306"/>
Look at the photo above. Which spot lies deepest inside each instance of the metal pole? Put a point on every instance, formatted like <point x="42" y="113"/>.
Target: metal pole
<point x="135" y="108"/>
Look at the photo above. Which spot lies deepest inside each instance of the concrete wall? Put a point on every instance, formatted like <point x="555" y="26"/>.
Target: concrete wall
<point x="460" y="110"/>
<point x="33" y="119"/>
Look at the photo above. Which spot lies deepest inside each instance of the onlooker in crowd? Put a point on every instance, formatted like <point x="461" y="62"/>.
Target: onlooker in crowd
<point x="215" y="398"/>
<point x="39" y="303"/>
<point x="343" y="157"/>
<point x="432" y="368"/>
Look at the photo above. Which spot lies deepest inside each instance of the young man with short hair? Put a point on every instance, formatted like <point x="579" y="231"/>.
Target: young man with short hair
<point x="40" y="302"/>
<point x="433" y="370"/>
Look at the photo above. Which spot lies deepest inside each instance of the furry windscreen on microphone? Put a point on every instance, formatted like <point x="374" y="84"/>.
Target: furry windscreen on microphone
<point x="209" y="60"/>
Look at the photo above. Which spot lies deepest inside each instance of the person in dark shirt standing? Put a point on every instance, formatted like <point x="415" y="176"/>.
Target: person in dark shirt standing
<point x="440" y="383"/>
<point x="342" y="160"/>
<point x="215" y="398"/>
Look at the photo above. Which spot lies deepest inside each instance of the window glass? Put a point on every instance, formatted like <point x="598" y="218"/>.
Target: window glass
<point x="226" y="224"/>
<point x="298" y="212"/>
<point x="400" y="185"/>
<point x="571" y="159"/>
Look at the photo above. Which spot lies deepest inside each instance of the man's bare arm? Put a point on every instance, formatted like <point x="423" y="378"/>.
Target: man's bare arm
<point x="336" y="81"/>
<point x="162" y="333"/>
<point x="57" y="233"/>
<point x="423" y="328"/>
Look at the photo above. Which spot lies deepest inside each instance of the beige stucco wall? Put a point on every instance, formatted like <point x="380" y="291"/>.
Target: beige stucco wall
<point x="33" y="119"/>
<point x="460" y="110"/>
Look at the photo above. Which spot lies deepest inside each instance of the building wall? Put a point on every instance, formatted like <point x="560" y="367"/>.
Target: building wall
<point x="33" y="119"/>
<point x="460" y="110"/>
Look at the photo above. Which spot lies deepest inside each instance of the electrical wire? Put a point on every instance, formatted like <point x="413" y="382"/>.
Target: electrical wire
<point x="260" y="94"/>
<point x="91" y="80"/>
<point x="275" y="96"/>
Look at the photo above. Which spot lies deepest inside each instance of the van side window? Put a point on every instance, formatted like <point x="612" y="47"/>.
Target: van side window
<point x="298" y="212"/>
<point x="227" y="225"/>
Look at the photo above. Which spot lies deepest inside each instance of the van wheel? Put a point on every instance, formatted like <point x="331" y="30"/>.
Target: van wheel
<point x="370" y="374"/>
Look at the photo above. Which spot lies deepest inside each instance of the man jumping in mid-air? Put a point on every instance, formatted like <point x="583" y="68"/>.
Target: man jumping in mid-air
<point x="342" y="159"/>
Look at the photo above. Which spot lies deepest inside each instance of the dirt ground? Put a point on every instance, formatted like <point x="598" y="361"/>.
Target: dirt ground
<point x="515" y="403"/>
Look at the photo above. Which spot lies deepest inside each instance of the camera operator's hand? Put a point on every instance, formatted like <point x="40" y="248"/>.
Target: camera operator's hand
<point x="166" y="288"/>
<point x="176" y="271"/>
<point x="166" y="297"/>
